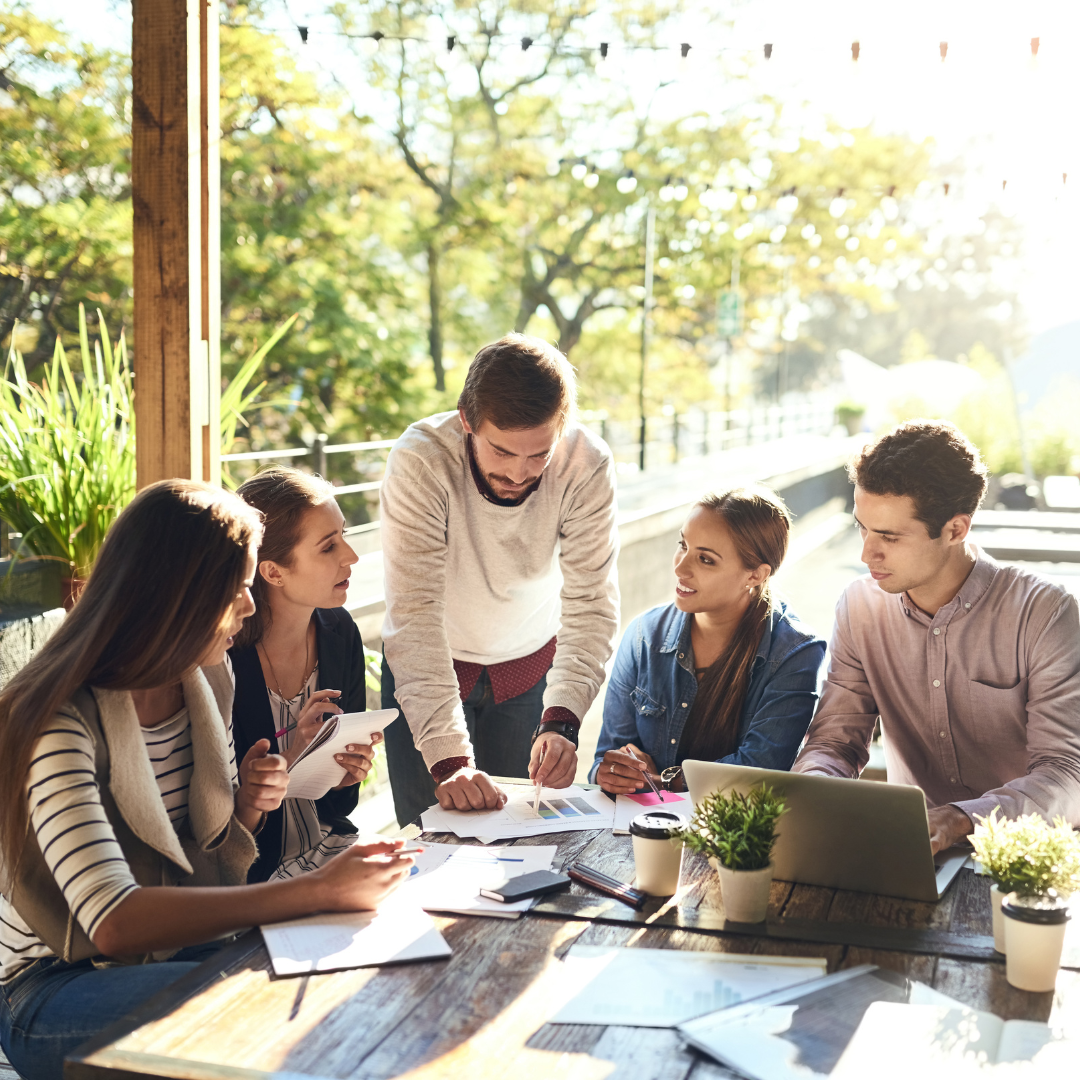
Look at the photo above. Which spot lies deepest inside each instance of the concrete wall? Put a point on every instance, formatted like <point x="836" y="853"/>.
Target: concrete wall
<point x="647" y="540"/>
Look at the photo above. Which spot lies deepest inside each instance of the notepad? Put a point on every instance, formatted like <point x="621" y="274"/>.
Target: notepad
<point x="334" y="942"/>
<point x="315" y="772"/>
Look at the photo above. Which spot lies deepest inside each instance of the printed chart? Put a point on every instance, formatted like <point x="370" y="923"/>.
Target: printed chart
<point x="657" y="987"/>
<point x="560" y="810"/>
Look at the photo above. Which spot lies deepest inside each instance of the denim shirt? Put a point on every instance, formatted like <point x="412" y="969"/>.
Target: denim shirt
<point x="652" y="689"/>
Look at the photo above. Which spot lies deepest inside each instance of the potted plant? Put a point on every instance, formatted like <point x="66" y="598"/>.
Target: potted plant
<point x="736" y="833"/>
<point x="850" y="414"/>
<point x="67" y="447"/>
<point x="1025" y="856"/>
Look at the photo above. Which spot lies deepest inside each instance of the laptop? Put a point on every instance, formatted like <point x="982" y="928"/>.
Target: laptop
<point x="861" y="835"/>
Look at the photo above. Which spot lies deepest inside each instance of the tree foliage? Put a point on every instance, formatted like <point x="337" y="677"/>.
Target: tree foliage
<point x="486" y="189"/>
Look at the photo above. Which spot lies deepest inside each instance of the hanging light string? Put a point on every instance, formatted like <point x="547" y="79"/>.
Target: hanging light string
<point x="626" y="182"/>
<point x="602" y="49"/>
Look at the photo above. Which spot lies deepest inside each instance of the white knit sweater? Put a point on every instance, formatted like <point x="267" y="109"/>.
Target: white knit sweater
<point x="470" y="580"/>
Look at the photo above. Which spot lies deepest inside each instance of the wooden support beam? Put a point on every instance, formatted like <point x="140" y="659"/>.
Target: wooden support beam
<point x="175" y="173"/>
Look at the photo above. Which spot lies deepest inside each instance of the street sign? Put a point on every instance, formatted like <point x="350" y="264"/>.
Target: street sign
<point x="729" y="314"/>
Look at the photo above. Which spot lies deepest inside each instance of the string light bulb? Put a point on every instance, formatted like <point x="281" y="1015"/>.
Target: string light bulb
<point x="451" y="41"/>
<point x="854" y="50"/>
<point x="684" y="48"/>
<point x="303" y="33"/>
<point x="1035" y="46"/>
<point x="768" y="52"/>
<point x="525" y="43"/>
<point x="943" y="48"/>
<point x="626" y="184"/>
<point x="603" y="50"/>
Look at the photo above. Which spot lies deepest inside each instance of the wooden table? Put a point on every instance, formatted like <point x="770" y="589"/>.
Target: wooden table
<point x="483" y="1013"/>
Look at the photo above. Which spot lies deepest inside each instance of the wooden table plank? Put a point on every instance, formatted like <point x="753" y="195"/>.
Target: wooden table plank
<point x="485" y="1011"/>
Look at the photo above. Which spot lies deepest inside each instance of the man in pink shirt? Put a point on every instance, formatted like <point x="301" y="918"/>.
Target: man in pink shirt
<point x="973" y="667"/>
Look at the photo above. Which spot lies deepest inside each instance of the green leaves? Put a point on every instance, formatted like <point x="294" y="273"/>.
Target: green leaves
<point x="738" y="830"/>
<point x="1026" y="855"/>
<point x="67" y="452"/>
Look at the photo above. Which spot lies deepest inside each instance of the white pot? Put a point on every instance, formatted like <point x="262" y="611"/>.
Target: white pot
<point x="996" y="896"/>
<point x="745" y="892"/>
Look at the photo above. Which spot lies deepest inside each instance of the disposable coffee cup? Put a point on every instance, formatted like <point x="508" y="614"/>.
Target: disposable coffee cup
<point x="658" y="851"/>
<point x="1034" y="936"/>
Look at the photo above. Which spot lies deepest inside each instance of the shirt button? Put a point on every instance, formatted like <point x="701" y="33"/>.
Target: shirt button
<point x="937" y="682"/>
<point x="952" y="779"/>
<point x="942" y="734"/>
<point x="680" y="656"/>
<point x="684" y="704"/>
<point x="936" y="631"/>
<point x="672" y="742"/>
<point x="967" y="605"/>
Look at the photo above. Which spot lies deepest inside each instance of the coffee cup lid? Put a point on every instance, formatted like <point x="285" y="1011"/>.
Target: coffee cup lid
<point x="1044" y="910"/>
<point x="657" y="825"/>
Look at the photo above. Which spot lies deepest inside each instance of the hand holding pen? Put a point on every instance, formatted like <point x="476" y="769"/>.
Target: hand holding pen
<point x="626" y="771"/>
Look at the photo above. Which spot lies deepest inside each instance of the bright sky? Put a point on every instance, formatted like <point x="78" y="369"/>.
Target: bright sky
<point x="1010" y="117"/>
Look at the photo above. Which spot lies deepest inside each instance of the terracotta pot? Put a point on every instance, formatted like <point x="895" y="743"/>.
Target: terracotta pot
<point x="70" y="587"/>
<point x="745" y="892"/>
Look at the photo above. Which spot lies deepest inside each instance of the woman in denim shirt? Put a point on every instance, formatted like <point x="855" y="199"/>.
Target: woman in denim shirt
<point x="725" y="673"/>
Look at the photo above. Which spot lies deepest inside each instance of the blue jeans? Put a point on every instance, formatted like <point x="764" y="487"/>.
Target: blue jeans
<point x="50" y="1007"/>
<point x="501" y="736"/>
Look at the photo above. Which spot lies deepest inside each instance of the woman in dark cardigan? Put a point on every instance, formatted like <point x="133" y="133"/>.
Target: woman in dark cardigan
<point x="298" y="659"/>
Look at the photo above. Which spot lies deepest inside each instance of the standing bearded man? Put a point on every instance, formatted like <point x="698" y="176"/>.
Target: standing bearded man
<point x="499" y="549"/>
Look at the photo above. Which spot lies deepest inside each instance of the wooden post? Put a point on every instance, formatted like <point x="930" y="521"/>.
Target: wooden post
<point x="175" y="173"/>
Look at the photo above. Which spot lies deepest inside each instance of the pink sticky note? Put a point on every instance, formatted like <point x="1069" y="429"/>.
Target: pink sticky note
<point x="649" y="799"/>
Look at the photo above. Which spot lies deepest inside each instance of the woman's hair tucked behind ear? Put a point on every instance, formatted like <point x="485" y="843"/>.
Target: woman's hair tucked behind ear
<point x="168" y="572"/>
<point x="283" y="496"/>
<point x="760" y="525"/>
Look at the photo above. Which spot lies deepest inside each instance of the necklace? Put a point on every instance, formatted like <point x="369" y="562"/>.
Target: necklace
<point x="270" y="664"/>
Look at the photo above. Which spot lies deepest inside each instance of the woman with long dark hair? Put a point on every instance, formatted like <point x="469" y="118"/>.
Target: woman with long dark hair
<point x="724" y="673"/>
<point x="126" y="830"/>
<point x="298" y="659"/>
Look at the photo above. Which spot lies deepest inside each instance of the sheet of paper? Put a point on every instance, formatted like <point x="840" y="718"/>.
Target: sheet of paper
<point x="315" y="771"/>
<point x="353" y="939"/>
<point x="939" y="1042"/>
<point x="800" y="1033"/>
<point x="561" y="810"/>
<point x="627" y="807"/>
<point x="664" y="987"/>
<point x="448" y="877"/>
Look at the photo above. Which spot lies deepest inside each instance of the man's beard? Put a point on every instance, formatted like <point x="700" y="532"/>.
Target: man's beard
<point x="504" y="488"/>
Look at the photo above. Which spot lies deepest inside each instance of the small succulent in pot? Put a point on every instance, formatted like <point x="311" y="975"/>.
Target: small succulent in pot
<point x="737" y="833"/>
<point x="1026" y="856"/>
<point x="736" y="830"/>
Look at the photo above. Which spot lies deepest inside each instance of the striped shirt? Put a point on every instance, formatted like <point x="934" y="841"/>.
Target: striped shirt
<point x="75" y="837"/>
<point x="306" y="843"/>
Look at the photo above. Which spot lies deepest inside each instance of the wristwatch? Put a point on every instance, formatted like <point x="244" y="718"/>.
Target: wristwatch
<point x="560" y="727"/>
<point x="671" y="777"/>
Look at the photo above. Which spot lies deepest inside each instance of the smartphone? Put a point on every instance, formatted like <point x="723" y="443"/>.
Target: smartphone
<point x="521" y="888"/>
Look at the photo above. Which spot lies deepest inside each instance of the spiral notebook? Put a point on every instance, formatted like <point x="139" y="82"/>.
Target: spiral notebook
<point x="315" y="772"/>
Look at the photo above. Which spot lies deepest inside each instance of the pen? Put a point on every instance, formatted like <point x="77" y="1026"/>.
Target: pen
<point x="539" y="766"/>
<point x="655" y="790"/>
<point x="609" y="886"/>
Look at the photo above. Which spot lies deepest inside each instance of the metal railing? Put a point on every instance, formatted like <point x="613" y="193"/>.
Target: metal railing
<point x="669" y="437"/>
